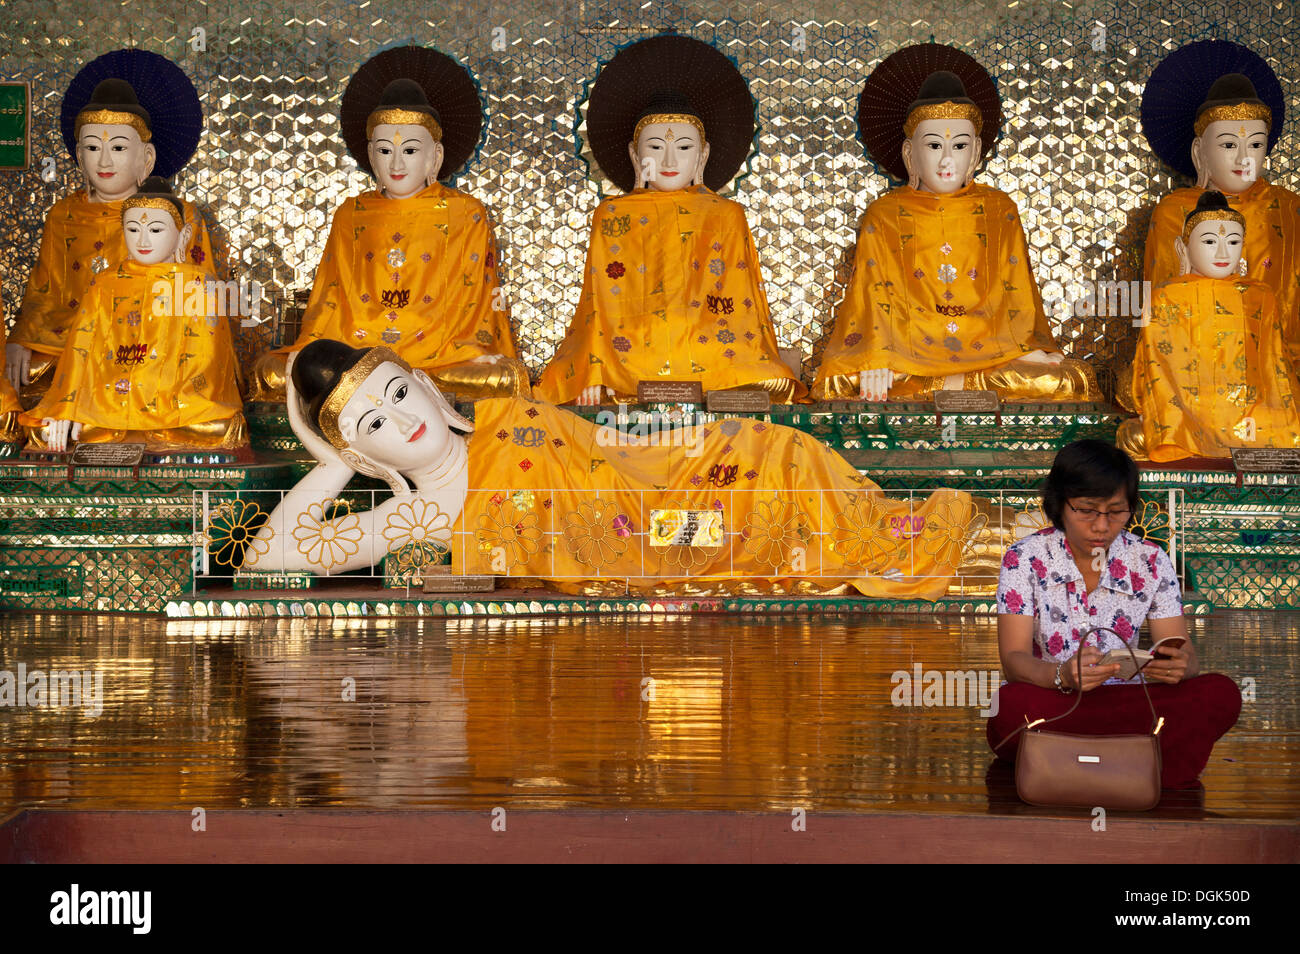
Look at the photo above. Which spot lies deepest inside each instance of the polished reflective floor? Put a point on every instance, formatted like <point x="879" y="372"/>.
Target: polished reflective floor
<point x="716" y="712"/>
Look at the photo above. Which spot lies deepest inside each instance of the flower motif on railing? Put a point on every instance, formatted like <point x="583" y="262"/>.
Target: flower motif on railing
<point x="232" y="530"/>
<point x="592" y="535"/>
<point x="860" y="536"/>
<point x="950" y="533"/>
<point x="418" y="533"/>
<point x="511" y="528"/>
<point x="329" y="540"/>
<point x="1151" y="522"/>
<point x="1030" y="518"/>
<point x="773" y="529"/>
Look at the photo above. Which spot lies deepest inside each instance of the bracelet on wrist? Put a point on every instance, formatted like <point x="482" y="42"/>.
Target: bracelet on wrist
<point x="1058" y="682"/>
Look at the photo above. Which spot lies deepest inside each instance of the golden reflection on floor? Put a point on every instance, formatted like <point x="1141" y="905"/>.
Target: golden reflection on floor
<point x="750" y="714"/>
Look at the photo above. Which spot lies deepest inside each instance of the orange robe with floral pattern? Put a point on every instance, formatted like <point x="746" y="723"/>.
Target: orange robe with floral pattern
<point x="671" y="291"/>
<point x="133" y="364"/>
<point x="941" y="284"/>
<point x="416" y="275"/>
<point x="81" y="240"/>
<point x="557" y="497"/>
<point x="1209" y="372"/>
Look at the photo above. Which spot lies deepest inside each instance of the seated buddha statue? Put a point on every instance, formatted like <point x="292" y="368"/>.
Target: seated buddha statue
<point x="117" y="141"/>
<point x="149" y="355"/>
<point x="942" y="296"/>
<point x="672" y="289"/>
<point x="1210" y="371"/>
<point x="536" y="491"/>
<point x="413" y="265"/>
<point x="1220" y="131"/>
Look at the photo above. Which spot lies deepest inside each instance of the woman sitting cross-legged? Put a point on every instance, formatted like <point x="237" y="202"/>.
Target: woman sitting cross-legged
<point x="1087" y="572"/>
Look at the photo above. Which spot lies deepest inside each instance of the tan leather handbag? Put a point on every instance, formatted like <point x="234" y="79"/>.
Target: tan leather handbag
<point x="1117" y="772"/>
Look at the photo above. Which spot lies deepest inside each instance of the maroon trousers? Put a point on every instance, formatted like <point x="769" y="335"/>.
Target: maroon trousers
<point x="1196" y="711"/>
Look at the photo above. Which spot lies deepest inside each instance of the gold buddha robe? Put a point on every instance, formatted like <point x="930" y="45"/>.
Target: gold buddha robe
<point x="556" y="497"/>
<point x="941" y="286"/>
<point x="1209" y="372"/>
<point x="419" y="276"/>
<point x="10" y="428"/>
<point x="671" y="291"/>
<point x="81" y="240"/>
<point x="148" y="359"/>
<point x="1272" y="251"/>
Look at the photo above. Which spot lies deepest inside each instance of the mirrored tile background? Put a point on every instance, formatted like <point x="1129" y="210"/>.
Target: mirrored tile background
<point x="271" y="166"/>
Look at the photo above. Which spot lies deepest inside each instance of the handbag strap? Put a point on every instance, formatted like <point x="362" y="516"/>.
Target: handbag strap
<point x="1078" y="692"/>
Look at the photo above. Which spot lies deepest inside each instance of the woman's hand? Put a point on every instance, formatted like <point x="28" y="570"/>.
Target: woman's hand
<point x="1170" y="665"/>
<point x="1093" y="674"/>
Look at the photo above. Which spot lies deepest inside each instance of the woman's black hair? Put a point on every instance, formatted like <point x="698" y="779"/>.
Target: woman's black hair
<point x="1088" y="468"/>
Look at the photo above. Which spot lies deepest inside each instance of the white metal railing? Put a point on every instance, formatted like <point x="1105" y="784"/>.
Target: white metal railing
<point x="811" y="533"/>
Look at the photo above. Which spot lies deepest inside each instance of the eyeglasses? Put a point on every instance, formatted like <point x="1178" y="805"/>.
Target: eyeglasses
<point x="1114" y="516"/>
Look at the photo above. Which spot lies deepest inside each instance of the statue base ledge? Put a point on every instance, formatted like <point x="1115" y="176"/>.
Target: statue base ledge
<point x="357" y="603"/>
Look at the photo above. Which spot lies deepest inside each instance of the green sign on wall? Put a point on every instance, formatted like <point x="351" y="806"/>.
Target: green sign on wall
<point x="15" y="126"/>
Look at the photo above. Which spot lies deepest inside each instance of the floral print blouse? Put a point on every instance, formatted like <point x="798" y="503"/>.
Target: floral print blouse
<point x="1039" y="579"/>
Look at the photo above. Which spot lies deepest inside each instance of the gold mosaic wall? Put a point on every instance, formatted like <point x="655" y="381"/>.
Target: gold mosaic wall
<point x="271" y="166"/>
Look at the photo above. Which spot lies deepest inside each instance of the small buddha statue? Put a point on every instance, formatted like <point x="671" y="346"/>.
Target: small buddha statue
<point x="116" y="141"/>
<point x="1210" y="372"/>
<point x="672" y="288"/>
<point x="413" y="265"/>
<point x="149" y="356"/>
<point x="942" y="295"/>
<point x="1231" y="130"/>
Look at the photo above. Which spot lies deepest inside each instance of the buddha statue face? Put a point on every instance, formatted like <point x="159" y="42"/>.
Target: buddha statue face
<point x="669" y="156"/>
<point x="396" y="419"/>
<point x="1229" y="155"/>
<point x="941" y="155"/>
<point x="405" y="158"/>
<point x="113" y="160"/>
<point x="152" y="236"/>
<point x="1213" y="249"/>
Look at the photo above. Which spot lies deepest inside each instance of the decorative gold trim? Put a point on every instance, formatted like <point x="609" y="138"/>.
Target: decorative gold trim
<point x="349" y="381"/>
<point x="396" y="116"/>
<point x="153" y="202"/>
<point x="669" y="118"/>
<point x="111" y="117"/>
<point x="1233" y="112"/>
<point x="1210" y="215"/>
<point x="944" y="110"/>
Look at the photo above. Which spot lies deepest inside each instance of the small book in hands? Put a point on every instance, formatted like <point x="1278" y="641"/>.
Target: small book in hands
<point x="1127" y="667"/>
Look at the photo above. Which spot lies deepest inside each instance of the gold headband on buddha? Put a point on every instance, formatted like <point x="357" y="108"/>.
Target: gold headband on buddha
<point x="1210" y="215"/>
<point x="669" y="118"/>
<point x="397" y="116"/>
<point x="154" y="202"/>
<point x="1235" y="112"/>
<point x="349" y="381"/>
<point x="946" y="110"/>
<point x="111" y="117"/>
